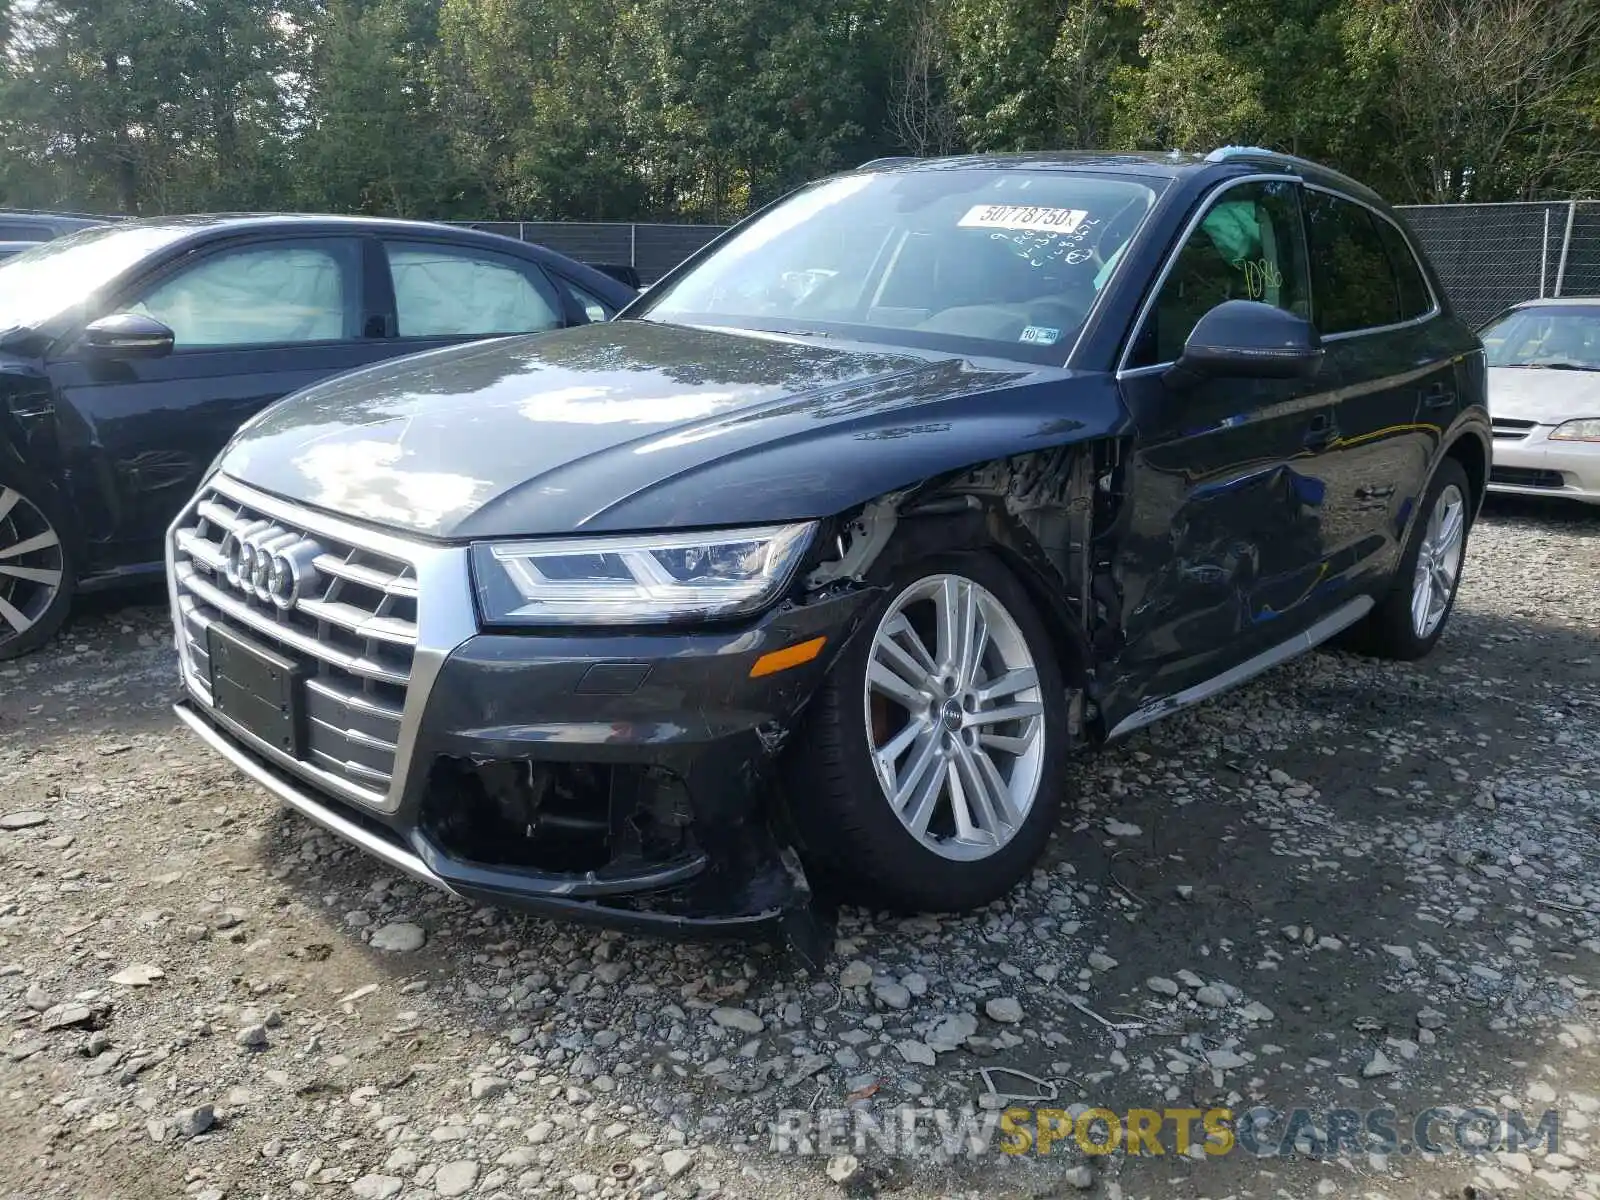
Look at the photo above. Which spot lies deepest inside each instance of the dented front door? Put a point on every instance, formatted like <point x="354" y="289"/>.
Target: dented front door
<point x="1222" y="552"/>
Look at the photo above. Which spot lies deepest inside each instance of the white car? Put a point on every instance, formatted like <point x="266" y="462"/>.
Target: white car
<point x="1544" y="398"/>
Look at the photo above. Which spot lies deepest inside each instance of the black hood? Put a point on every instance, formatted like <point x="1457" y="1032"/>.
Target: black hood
<point x="630" y="425"/>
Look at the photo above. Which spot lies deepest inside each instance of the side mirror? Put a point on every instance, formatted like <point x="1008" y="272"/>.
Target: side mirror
<point x="1245" y="339"/>
<point x="128" y="335"/>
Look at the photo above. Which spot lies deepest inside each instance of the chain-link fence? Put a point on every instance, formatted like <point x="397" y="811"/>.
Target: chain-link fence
<point x="1489" y="256"/>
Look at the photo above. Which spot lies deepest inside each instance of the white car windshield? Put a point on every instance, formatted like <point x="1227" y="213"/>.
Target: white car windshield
<point x="1004" y="261"/>
<point x="54" y="276"/>
<point x="1550" y="336"/>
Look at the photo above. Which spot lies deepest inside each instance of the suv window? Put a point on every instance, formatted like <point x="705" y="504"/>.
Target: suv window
<point x="594" y="308"/>
<point x="448" y="291"/>
<point x="1354" y="283"/>
<point x="1415" y="299"/>
<point x="1247" y="247"/>
<point x="261" y="295"/>
<point x="25" y="231"/>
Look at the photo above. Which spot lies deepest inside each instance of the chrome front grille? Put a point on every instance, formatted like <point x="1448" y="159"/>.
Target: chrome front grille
<point x="1508" y="430"/>
<point x="345" y="614"/>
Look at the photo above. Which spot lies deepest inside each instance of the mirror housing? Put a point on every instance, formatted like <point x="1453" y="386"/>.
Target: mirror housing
<point x="1245" y="339"/>
<point x="128" y="335"/>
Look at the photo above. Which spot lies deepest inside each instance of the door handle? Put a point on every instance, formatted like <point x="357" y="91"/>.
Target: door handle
<point x="1438" y="395"/>
<point x="1321" y="433"/>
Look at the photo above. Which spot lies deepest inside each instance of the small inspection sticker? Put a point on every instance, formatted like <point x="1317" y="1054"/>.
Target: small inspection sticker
<point x="1040" y="335"/>
<point x="1022" y="216"/>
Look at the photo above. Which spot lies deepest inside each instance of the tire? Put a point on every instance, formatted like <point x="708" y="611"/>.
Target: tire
<point x="856" y="844"/>
<point x="36" y="568"/>
<point x="1395" y="629"/>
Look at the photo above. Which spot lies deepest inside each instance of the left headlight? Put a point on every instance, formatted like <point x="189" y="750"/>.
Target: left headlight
<point x="1584" y="429"/>
<point x="636" y="580"/>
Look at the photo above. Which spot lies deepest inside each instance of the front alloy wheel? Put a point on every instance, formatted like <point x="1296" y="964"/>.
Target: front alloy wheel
<point x="954" y="717"/>
<point x="929" y="773"/>
<point x="35" y="585"/>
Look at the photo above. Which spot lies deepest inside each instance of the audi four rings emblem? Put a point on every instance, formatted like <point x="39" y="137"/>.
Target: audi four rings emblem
<point x="271" y="563"/>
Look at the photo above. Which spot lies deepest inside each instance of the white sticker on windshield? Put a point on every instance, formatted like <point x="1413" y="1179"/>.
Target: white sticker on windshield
<point x="1022" y="216"/>
<point x="1041" y="335"/>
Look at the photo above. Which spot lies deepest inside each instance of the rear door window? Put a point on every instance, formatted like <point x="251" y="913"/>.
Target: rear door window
<point x="1415" y="299"/>
<point x="454" y="291"/>
<point x="1354" y="283"/>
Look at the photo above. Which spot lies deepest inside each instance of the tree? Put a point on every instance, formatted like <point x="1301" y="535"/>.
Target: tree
<point x="1493" y="99"/>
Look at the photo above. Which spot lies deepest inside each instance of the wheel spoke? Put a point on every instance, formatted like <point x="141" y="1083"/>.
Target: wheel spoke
<point x="8" y="501"/>
<point x="902" y="662"/>
<point x="904" y="636"/>
<point x="1020" y="710"/>
<point x="987" y="800"/>
<point x="924" y="801"/>
<point x="1006" y="745"/>
<point x="966" y="831"/>
<point x="889" y="753"/>
<point x="32" y="574"/>
<point x="1008" y="684"/>
<point x="953" y="594"/>
<point x="1421" y="601"/>
<point x="1450" y="528"/>
<point x="39" y="541"/>
<point x="885" y="682"/>
<point x="974" y="640"/>
<point x="14" y="617"/>
<point x="923" y="762"/>
<point x="998" y="788"/>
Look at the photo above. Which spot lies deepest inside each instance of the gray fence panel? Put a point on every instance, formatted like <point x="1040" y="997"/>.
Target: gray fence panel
<point x="652" y="250"/>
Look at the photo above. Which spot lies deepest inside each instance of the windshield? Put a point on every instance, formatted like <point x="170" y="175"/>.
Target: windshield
<point x="1560" y="338"/>
<point x="54" y="276"/>
<point x="1005" y="262"/>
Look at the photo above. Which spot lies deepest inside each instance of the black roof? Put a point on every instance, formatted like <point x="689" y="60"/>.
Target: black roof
<point x="1171" y="164"/>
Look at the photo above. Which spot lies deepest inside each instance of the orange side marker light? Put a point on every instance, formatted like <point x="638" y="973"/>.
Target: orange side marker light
<point x="789" y="656"/>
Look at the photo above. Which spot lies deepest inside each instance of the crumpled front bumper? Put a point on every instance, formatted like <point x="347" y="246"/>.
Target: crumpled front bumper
<point x="654" y="756"/>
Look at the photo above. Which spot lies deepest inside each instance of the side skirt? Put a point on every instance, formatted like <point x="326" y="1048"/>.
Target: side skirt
<point x="1341" y="618"/>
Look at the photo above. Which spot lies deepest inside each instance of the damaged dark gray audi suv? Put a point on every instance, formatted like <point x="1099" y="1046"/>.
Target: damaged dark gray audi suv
<point x="810" y="571"/>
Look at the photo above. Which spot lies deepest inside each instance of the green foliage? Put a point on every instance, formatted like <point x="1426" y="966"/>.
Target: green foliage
<point x="703" y="109"/>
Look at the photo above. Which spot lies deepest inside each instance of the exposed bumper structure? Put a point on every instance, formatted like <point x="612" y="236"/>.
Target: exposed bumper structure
<point x="627" y="780"/>
<point x="1533" y="465"/>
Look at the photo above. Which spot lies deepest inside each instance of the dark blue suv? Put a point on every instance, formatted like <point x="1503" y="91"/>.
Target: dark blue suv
<point x="812" y="569"/>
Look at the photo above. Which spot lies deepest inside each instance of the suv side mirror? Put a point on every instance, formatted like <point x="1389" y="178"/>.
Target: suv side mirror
<point x="128" y="335"/>
<point x="1249" y="340"/>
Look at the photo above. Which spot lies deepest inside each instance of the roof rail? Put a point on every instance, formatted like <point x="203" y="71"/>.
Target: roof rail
<point x="1223" y="153"/>
<point x="893" y="160"/>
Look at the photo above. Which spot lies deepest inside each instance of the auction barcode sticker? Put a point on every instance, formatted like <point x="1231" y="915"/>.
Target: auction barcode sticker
<point x="1021" y="216"/>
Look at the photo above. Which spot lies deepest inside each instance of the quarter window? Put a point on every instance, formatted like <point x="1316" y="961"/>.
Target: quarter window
<point x="594" y="308"/>
<point x="1353" y="280"/>
<point x="445" y="291"/>
<point x="260" y="296"/>
<point x="1247" y="247"/>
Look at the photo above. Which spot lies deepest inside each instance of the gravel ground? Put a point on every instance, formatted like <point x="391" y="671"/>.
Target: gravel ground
<point x="1350" y="885"/>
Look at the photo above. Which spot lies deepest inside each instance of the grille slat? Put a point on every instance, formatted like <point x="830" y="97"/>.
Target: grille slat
<point x="349" y="621"/>
<point x="1508" y="429"/>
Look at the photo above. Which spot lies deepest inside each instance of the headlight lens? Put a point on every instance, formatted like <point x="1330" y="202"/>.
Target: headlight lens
<point x="1584" y="429"/>
<point x="636" y="580"/>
